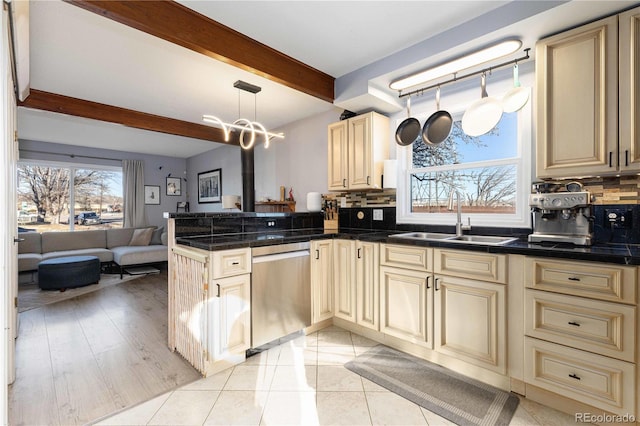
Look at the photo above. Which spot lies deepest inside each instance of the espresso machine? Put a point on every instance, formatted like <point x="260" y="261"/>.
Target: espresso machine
<point x="562" y="213"/>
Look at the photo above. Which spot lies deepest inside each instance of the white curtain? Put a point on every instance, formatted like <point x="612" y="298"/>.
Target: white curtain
<point x="133" y="194"/>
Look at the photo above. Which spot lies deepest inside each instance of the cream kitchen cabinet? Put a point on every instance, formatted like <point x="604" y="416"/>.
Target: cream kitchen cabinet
<point x="209" y="306"/>
<point x="580" y="331"/>
<point x="321" y="280"/>
<point x="344" y="279"/>
<point x="578" y="106"/>
<point x="357" y="148"/>
<point x="368" y="284"/>
<point x="406" y="293"/>
<point x="470" y="307"/>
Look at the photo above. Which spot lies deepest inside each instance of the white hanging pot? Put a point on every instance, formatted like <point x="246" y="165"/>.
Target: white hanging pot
<point x="517" y="97"/>
<point x="483" y="114"/>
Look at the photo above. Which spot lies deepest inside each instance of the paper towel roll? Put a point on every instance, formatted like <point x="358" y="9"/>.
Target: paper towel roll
<point x="314" y="201"/>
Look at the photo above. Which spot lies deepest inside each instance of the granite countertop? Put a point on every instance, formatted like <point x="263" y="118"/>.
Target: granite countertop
<point x="611" y="253"/>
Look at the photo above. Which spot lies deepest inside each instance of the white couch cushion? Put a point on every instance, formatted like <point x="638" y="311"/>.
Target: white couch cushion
<point x="103" y="254"/>
<point x="136" y="255"/>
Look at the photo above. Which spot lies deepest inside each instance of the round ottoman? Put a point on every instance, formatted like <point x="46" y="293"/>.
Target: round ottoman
<point x="62" y="273"/>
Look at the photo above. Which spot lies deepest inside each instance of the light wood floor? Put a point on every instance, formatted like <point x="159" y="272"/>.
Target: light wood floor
<point x="84" y="358"/>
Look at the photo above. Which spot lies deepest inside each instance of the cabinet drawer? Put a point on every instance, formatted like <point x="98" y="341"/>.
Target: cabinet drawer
<point x="595" y="380"/>
<point x="408" y="257"/>
<point x="597" y="280"/>
<point x="602" y="327"/>
<point x="465" y="264"/>
<point x="227" y="263"/>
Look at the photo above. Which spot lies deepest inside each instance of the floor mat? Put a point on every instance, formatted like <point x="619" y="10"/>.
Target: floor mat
<point x="458" y="398"/>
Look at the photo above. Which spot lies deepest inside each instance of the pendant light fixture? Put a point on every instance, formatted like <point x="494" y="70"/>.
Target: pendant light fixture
<point x="248" y="128"/>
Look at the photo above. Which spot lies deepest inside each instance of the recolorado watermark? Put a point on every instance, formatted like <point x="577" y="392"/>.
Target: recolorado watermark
<point x="604" y="418"/>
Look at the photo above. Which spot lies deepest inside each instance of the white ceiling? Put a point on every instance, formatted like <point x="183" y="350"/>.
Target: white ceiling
<point x="77" y="53"/>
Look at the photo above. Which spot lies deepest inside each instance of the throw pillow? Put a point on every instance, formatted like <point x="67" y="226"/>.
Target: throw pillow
<point x="156" y="239"/>
<point x="141" y="237"/>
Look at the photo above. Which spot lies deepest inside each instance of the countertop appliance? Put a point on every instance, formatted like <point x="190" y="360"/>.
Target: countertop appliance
<point x="562" y="217"/>
<point x="280" y="291"/>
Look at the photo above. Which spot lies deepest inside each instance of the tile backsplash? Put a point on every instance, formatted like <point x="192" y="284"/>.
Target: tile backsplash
<point x="613" y="190"/>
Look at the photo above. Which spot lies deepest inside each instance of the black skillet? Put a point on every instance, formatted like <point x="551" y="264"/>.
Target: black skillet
<point x="438" y="126"/>
<point x="408" y="131"/>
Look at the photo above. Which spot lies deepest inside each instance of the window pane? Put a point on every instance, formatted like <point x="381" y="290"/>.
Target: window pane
<point x="43" y="197"/>
<point x="98" y="199"/>
<point x="482" y="190"/>
<point x="460" y="148"/>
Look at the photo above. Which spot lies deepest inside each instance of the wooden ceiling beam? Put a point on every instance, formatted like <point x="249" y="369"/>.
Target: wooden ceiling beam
<point x="178" y="24"/>
<point x="53" y="102"/>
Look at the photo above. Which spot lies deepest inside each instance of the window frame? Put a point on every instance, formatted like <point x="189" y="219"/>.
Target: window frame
<point x="523" y="162"/>
<point x="72" y="169"/>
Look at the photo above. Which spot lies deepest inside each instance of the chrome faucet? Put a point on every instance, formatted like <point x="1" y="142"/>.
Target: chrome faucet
<point x="459" y="226"/>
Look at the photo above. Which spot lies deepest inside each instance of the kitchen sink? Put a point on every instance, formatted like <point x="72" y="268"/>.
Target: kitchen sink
<point x="424" y="236"/>
<point x="468" y="239"/>
<point x="483" y="239"/>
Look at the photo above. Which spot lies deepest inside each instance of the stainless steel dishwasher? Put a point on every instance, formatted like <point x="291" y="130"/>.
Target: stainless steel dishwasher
<point x="280" y="291"/>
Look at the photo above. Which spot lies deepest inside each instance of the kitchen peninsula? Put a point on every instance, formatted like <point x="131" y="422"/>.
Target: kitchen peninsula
<point x="498" y="313"/>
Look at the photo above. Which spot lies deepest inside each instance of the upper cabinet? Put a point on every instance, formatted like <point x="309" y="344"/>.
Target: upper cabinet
<point x="357" y="148"/>
<point x="579" y="74"/>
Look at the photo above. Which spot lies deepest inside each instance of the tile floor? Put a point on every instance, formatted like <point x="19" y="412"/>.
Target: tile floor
<point x="301" y="382"/>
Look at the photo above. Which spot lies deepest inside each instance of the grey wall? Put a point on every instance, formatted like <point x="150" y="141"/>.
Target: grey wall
<point x="153" y="175"/>
<point x="299" y="161"/>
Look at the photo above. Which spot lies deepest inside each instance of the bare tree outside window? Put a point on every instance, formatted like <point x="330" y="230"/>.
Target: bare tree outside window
<point x="485" y="188"/>
<point x="45" y="192"/>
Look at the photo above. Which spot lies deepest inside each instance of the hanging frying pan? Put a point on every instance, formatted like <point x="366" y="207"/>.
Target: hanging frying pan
<point x="517" y="97"/>
<point x="438" y="126"/>
<point x="408" y="131"/>
<point x="483" y="114"/>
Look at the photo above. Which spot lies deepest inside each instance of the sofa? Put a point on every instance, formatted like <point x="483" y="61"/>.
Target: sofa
<point x="121" y="246"/>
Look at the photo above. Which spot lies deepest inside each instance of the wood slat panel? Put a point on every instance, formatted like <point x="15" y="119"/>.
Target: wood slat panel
<point x="53" y="102"/>
<point x="178" y="24"/>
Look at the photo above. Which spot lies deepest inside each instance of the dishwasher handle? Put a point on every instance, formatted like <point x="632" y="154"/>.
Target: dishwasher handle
<point x="280" y="256"/>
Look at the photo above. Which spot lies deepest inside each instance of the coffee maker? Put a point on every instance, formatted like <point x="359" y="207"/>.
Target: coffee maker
<point x="562" y="213"/>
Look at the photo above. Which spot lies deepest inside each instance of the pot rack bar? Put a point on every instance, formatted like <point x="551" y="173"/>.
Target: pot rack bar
<point x="456" y="78"/>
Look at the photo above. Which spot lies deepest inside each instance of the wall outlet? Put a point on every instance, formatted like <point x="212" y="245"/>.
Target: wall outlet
<point x="377" y="214"/>
<point x="343" y="202"/>
<point x="271" y="223"/>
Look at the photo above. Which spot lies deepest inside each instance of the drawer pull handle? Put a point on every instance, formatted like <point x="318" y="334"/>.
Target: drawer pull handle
<point x="574" y="323"/>
<point x="235" y="263"/>
<point x="574" y="279"/>
<point x="573" y="376"/>
<point x="317" y="254"/>
<point x="427" y="283"/>
<point x="436" y="284"/>
<point x="359" y="254"/>
<point x="218" y="285"/>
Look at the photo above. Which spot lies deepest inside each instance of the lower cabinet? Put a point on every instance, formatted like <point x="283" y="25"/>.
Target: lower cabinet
<point x="470" y="321"/>
<point x="406" y="301"/>
<point x="321" y="280"/>
<point x="344" y="276"/>
<point x="368" y="285"/>
<point x="209" y="312"/>
<point x="231" y="314"/>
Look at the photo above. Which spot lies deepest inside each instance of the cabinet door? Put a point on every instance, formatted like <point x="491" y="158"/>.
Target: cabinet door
<point x="344" y="277"/>
<point x="406" y="302"/>
<point x="360" y="152"/>
<point x="577" y="101"/>
<point x="321" y="280"/>
<point x="629" y="90"/>
<point x="368" y="284"/>
<point x="470" y="321"/>
<point x="232" y="318"/>
<point x="338" y="151"/>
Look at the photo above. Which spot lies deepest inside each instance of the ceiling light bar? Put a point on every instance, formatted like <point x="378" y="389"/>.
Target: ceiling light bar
<point x="453" y="67"/>
<point x="247" y="87"/>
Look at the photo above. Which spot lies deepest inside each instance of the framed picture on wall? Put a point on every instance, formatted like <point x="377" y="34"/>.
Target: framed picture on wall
<point x="210" y="186"/>
<point x="152" y="194"/>
<point x="174" y="186"/>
